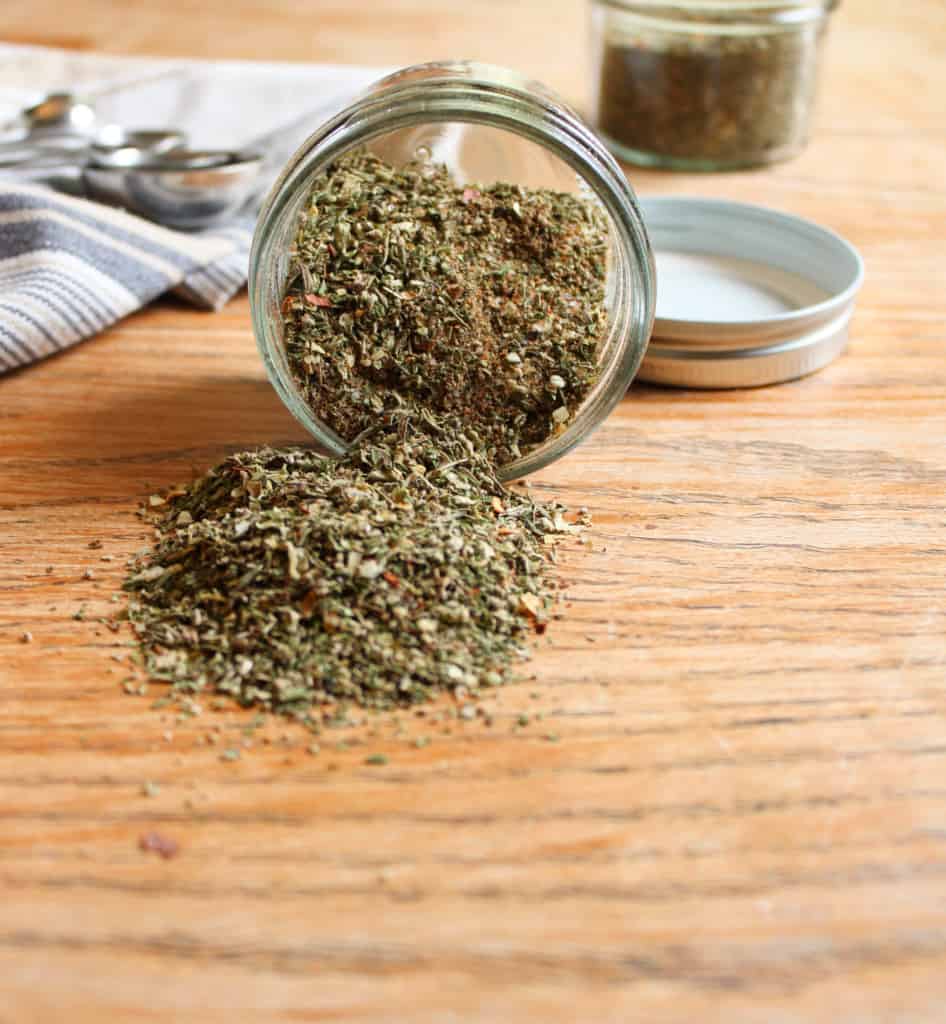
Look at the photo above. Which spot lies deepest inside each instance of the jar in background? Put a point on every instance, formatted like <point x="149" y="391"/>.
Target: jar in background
<point x="706" y="85"/>
<point x="486" y="125"/>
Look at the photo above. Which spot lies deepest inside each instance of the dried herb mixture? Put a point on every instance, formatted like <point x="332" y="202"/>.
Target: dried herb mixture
<point x="299" y="583"/>
<point x="708" y="100"/>
<point x="442" y="331"/>
<point x="407" y="290"/>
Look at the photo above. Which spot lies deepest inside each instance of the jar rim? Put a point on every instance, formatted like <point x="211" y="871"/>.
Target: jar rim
<point x="786" y="12"/>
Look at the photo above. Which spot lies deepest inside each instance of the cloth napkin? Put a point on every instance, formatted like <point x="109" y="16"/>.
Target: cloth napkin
<point x="70" y="267"/>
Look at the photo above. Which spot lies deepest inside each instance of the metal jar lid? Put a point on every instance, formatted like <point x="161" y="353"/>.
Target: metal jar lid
<point x="745" y="295"/>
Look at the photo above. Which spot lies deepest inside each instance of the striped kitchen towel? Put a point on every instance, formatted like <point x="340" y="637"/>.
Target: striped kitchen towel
<point x="70" y="268"/>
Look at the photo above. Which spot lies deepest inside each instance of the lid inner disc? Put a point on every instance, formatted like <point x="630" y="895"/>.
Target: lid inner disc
<point x="716" y="288"/>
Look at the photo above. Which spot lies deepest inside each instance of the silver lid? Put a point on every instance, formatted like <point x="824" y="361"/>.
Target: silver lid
<point x="745" y="295"/>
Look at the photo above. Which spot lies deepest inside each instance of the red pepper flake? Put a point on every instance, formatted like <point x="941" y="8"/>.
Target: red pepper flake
<point x="318" y="300"/>
<point x="391" y="578"/>
<point x="154" y="842"/>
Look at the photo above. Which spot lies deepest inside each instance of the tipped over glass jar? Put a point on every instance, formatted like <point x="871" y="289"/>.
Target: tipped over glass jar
<point x="456" y="240"/>
<point x="706" y="85"/>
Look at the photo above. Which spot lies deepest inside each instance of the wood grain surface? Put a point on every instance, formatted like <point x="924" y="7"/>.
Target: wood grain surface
<point x="744" y="815"/>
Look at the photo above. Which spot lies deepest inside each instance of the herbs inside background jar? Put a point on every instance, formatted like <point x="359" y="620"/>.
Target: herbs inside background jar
<point x="407" y="290"/>
<point x="707" y="96"/>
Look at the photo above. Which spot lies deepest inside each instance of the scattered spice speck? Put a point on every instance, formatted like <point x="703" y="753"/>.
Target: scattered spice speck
<point x="150" y="788"/>
<point x="376" y="759"/>
<point x="26" y="638"/>
<point x="162" y="845"/>
<point x="231" y="754"/>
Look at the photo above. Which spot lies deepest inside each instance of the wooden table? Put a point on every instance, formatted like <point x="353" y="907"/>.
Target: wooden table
<point x="744" y="818"/>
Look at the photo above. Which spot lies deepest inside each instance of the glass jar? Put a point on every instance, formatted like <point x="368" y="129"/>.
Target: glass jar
<point x="486" y="125"/>
<point x="706" y="85"/>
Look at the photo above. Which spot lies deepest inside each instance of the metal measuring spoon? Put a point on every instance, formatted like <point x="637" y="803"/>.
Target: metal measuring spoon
<point x="196" y="189"/>
<point x="174" y="157"/>
<point x="119" y="147"/>
<point x="112" y="142"/>
<point x="184" y="189"/>
<point x="48" y="133"/>
<point x="60" y="114"/>
<point x="152" y="175"/>
<point x="60" y="167"/>
<point x="64" y="115"/>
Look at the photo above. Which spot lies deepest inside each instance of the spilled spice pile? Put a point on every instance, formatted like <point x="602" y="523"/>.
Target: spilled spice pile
<point x="708" y="99"/>
<point x="485" y="304"/>
<point x="299" y="583"/>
